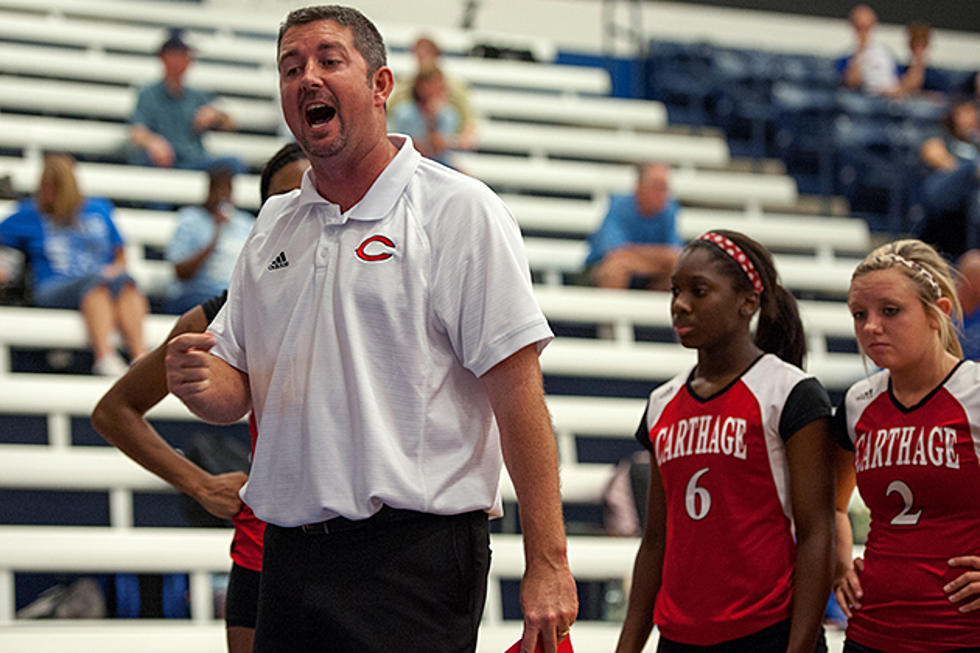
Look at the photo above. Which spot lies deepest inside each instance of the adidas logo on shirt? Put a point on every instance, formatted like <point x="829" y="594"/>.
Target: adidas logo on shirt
<point x="279" y="262"/>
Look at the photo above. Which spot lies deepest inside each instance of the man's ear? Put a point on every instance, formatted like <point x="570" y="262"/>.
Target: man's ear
<point x="383" y="83"/>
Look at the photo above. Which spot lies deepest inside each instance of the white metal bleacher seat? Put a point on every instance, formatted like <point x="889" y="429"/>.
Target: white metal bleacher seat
<point x="97" y="137"/>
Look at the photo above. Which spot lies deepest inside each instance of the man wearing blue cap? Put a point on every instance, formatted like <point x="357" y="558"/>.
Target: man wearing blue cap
<point x="171" y="118"/>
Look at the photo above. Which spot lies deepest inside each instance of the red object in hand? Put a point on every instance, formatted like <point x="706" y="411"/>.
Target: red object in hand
<point x="564" y="646"/>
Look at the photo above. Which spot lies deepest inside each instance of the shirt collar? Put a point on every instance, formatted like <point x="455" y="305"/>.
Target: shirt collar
<point x="380" y="197"/>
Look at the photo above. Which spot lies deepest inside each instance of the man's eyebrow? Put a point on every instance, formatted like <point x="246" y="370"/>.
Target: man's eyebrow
<point x="324" y="45"/>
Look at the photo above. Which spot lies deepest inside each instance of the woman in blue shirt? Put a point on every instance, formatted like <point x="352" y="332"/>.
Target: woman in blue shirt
<point x="76" y="258"/>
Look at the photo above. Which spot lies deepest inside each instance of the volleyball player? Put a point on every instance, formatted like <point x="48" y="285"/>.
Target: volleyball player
<point x="741" y="462"/>
<point x="910" y="435"/>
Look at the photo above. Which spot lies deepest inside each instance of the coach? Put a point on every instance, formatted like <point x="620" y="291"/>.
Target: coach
<point x="381" y="324"/>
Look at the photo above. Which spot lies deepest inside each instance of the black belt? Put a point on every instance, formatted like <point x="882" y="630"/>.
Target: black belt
<point x="340" y="524"/>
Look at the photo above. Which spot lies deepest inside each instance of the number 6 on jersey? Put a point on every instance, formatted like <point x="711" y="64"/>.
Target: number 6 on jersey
<point x="693" y="493"/>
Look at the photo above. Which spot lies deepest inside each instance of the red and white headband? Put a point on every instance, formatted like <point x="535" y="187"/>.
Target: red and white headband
<point x="728" y="246"/>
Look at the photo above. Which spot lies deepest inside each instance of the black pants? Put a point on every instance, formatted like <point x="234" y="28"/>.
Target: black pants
<point x="413" y="583"/>
<point x="768" y="640"/>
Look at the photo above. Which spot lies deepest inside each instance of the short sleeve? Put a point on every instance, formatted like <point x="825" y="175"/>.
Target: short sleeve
<point x="806" y="403"/>
<point x="140" y="115"/>
<point x="672" y="236"/>
<point x="188" y="238"/>
<point x="838" y="427"/>
<point x="18" y="229"/>
<point x="642" y="434"/>
<point x="105" y="209"/>
<point x="610" y="233"/>
<point x="481" y="291"/>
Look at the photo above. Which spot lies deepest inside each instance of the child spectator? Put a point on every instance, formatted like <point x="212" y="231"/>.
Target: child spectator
<point x="206" y="244"/>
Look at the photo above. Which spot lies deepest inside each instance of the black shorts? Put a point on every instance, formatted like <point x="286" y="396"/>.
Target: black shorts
<point x="242" y="598"/>
<point x="768" y="640"/>
<point x="850" y="646"/>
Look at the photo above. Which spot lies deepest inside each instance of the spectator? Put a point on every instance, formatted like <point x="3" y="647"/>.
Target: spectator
<point x="637" y="244"/>
<point x="76" y="257"/>
<point x="951" y="191"/>
<point x="206" y="244"/>
<point x="171" y="118"/>
<point x="427" y="56"/>
<point x="429" y="119"/>
<point x="871" y="67"/>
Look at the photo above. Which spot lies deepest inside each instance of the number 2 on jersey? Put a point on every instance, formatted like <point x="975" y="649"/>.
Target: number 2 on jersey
<point x="694" y="495"/>
<point x="906" y="517"/>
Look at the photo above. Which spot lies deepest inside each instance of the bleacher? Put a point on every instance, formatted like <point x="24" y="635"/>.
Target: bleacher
<point x="553" y="143"/>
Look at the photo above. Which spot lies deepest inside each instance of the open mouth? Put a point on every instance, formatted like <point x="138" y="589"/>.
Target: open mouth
<point x="318" y="115"/>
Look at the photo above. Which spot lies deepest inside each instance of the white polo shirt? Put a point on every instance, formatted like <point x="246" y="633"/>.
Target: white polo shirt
<point x="364" y="335"/>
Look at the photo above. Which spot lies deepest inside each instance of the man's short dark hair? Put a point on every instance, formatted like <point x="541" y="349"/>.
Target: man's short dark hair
<point x="367" y="39"/>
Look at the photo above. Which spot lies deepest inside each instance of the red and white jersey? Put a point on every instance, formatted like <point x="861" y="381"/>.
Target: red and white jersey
<point x="730" y="554"/>
<point x="917" y="471"/>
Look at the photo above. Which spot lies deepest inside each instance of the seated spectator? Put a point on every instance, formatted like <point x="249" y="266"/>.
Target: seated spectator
<point x="950" y="191"/>
<point x="429" y="119"/>
<point x="206" y="244"/>
<point x="932" y="79"/>
<point x="872" y="68"/>
<point x="76" y="258"/>
<point x="171" y="118"/>
<point x="427" y="56"/>
<point x="637" y="244"/>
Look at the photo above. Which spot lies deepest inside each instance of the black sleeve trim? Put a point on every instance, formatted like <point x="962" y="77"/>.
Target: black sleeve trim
<point x="213" y="305"/>
<point x="838" y="426"/>
<point x="807" y="402"/>
<point x="642" y="434"/>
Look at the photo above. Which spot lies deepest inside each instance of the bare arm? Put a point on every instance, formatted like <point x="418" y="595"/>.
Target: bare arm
<point x="935" y="155"/>
<point x="853" y="78"/>
<point x="157" y="147"/>
<point x="810" y="455"/>
<point x="210" y="117"/>
<point x="548" y="594"/>
<point x="211" y="388"/>
<point x="119" y="418"/>
<point x="647" y="569"/>
<point x="188" y="267"/>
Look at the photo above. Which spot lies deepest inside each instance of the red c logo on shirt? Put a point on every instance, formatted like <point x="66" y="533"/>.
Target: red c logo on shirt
<point x="364" y="255"/>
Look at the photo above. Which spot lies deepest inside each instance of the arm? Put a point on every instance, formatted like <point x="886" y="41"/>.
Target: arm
<point x="935" y="155"/>
<point x="810" y="455"/>
<point x="188" y="267"/>
<point x="157" y="147"/>
<point x="852" y="72"/>
<point x="211" y="388"/>
<point x="119" y="418"/>
<point x="647" y="569"/>
<point x="118" y="265"/>
<point x="847" y="587"/>
<point x="915" y="75"/>
<point x="548" y="593"/>
<point x="209" y="117"/>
